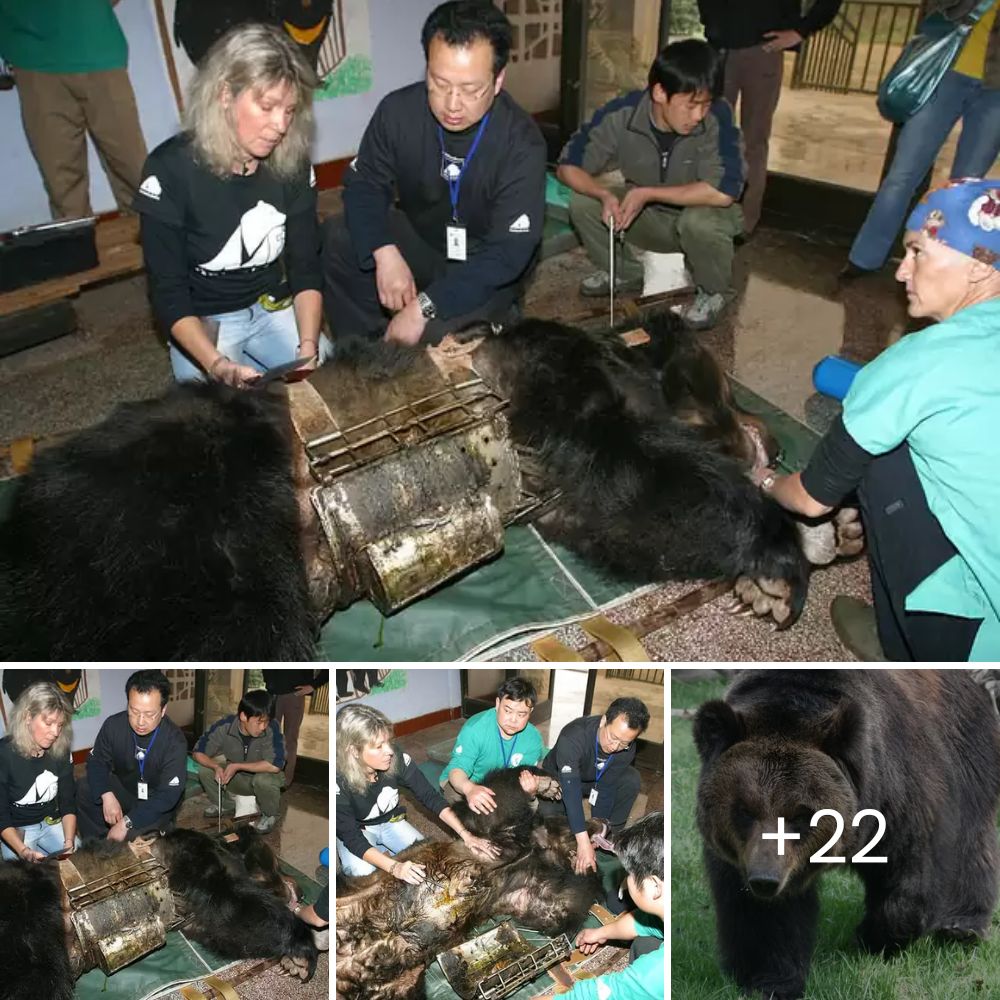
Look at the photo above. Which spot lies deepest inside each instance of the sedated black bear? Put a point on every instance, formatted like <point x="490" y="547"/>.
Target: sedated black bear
<point x="920" y="746"/>
<point x="388" y="931"/>
<point x="177" y="529"/>
<point x="230" y="907"/>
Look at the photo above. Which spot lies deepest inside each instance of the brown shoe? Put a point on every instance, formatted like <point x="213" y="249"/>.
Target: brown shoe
<point x="855" y="625"/>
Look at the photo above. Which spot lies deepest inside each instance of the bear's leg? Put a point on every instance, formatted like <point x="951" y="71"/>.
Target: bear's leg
<point x="897" y="906"/>
<point x="766" y="946"/>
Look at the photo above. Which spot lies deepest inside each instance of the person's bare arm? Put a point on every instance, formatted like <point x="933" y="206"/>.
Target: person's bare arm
<point x="791" y="494"/>
<point x="190" y="333"/>
<point x="308" y="306"/>
<point x="583" y="183"/>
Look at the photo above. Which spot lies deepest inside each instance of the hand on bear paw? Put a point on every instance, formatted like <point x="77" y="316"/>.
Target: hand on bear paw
<point x="841" y="535"/>
<point x="762" y="597"/>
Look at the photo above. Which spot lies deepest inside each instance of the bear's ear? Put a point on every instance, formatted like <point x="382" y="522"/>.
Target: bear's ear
<point x="716" y="728"/>
<point x="842" y="737"/>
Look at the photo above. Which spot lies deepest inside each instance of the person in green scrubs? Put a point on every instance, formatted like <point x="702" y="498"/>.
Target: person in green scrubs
<point x="501" y="736"/>
<point x="640" y="849"/>
<point x="919" y="439"/>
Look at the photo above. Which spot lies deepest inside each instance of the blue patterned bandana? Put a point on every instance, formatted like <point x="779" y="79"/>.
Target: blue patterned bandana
<point x="963" y="215"/>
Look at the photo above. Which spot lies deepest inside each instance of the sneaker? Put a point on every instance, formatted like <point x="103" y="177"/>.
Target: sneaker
<point x="214" y="810"/>
<point x="855" y="625"/>
<point x="704" y="312"/>
<point x="265" y="824"/>
<point x="598" y="284"/>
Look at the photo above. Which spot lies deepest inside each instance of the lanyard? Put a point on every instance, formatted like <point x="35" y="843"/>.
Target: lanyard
<point x="145" y="753"/>
<point x="513" y="743"/>
<point x="599" y="768"/>
<point x="454" y="185"/>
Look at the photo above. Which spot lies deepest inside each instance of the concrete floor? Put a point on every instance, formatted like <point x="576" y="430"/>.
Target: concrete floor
<point x="789" y="314"/>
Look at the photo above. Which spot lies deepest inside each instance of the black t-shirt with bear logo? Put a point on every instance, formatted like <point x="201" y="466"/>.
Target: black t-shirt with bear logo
<point x="217" y="244"/>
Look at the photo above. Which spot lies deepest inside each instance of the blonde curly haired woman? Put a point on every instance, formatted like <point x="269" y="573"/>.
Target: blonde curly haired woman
<point x="229" y="228"/>
<point x="371" y="824"/>
<point x="37" y="791"/>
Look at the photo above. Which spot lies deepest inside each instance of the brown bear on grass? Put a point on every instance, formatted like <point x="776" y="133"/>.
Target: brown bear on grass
<point x="920" y="746"/>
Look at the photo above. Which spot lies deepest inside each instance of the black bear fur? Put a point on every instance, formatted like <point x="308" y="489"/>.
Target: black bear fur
<point x="227" y="911"/>
<point x="168" y="532"/>
<point x="34" y="962"/>
<point x="388" y="931"/>
<point x="920" y="746"/>
<point x="171" y="530"/>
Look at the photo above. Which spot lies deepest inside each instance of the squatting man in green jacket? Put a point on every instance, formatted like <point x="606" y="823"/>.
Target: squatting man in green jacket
<point x="245" y="754"/>
<point x="682" y="159"/>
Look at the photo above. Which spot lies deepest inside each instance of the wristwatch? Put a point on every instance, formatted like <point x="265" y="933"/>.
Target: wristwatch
<point x="427" y="308"/>
<point x="767" y="483"/>
<point x="128" y="822"/>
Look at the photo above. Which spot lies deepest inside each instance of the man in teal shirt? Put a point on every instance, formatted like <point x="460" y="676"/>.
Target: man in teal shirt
<point x="920" y="438"/>
<point x="69" y="63"/>
<point x="640" y="849"/>
<point x="499" y="737"/>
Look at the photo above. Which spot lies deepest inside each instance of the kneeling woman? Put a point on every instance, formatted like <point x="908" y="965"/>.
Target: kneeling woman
<point x="919" y="439"/>
<point x="228" y="206"/>
<point x="371" y="819"/>
<point x="37" y="791"/>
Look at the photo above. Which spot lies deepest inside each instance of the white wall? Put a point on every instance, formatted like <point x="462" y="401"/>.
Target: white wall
<point x="396" y="55"/>
<point x="426" y="691"/>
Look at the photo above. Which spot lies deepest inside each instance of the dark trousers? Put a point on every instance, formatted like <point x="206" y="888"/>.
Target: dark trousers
<point x="614" y="800"/>
<point x="90" y="811"/>
<point x="350" y="295"/>
<point x="905" y="545"/>
<point x="289" y="711"/>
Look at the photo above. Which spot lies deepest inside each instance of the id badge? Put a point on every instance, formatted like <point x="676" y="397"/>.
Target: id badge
<point x="455" y="241"/>
<point x="143" y="790"/>
<point x="593" y="797"/>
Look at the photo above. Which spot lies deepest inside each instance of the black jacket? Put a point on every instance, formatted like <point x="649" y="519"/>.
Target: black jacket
<point x="501" y="203"/>
<point x="164" y="769"/>
<point x="741" y="24"/>
<point x="572" y="762"/>
<point x="284" y="680"/>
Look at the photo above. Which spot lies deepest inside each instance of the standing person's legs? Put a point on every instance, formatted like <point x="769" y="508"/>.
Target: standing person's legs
<point x="758" y="76"/>
<point x="979" y="143"/>
<point x="919" y="143"/>
<point x="113" y="119"/>
<point x="905" y="545"/>
<point x="288" y="711"/>
<point x="56" y="129"/>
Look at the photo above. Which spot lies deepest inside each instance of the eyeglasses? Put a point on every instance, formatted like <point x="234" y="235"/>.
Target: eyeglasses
<point x="616" y="744"/>
<point x="465" y="93"/>
<point x="144" y="716"/>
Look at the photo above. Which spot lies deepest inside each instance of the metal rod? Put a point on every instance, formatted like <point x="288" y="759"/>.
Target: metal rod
<point x="611" y="268"/>
<point x="219" y="785"/>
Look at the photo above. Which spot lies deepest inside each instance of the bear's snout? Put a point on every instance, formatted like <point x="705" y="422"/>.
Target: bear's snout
<point x="764" y="885"/>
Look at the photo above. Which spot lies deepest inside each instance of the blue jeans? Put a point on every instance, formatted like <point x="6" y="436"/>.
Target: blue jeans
<point x="40" y="837"/>
<point x="252" y="336"/>
<point x="389" y="838"/>
<point x="957" y="96"/>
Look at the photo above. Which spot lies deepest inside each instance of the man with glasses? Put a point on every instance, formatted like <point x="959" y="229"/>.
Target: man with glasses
<point x="444" y="203"/>
<point x="592" y="760"/>
<point x="136" y="771"/>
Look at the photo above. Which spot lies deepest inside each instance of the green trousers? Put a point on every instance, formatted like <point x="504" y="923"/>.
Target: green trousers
<point x="265" y="786"/>
<point x="703" y="234"/>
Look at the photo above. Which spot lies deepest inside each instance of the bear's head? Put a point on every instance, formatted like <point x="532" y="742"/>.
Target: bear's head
<point x="754" y="773"/>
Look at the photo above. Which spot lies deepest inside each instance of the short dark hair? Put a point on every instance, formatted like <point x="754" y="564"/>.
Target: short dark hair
<point x="256" y="704"/>
<point x="145" y="681"/>
<point x="687" y="67"/>
<point x="635" y="712"/>
<point x="461" y="22"/>
<point x="518" y="689"/>
<point x="640" y="847"/>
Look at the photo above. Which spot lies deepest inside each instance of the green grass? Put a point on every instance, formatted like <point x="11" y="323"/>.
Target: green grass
<point x="928" y="970"/>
